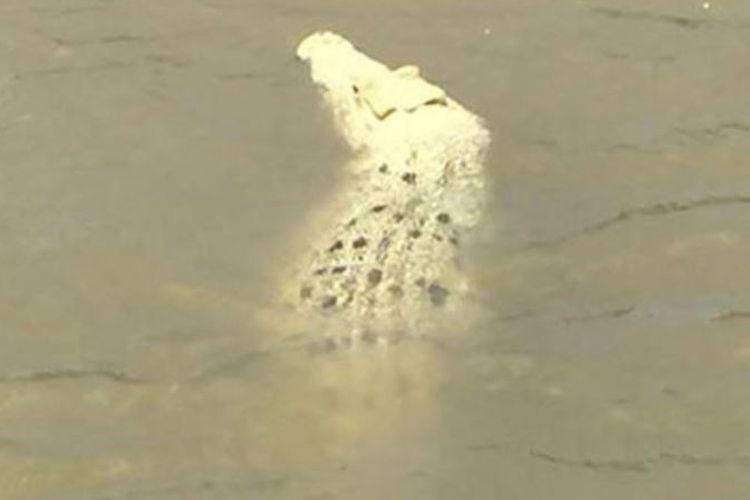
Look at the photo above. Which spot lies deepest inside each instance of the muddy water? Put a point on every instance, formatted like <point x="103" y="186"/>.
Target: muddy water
<point x="154" y="156"/>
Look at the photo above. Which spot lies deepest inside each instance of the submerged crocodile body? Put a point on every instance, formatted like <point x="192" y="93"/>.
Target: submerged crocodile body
<point x="385" y="262"/>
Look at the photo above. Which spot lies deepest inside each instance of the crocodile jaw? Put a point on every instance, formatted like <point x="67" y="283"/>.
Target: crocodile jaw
<point x="361" y="92"/>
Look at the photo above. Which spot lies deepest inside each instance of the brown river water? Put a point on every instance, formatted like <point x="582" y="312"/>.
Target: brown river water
<point x="154" y="156"/>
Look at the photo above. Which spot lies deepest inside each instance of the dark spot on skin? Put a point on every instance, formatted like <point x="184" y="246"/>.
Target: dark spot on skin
<point x="328" y="302"/>
<point x="374" y="276"/>
<point x="415" y="233"/>
<point x="359" y="242"/>
<point x="355" y="89"/>
<point x="384" y="244"/>
<point x="421" y="282"/>
<point x="443" y="218"/>
<point x="409" y="178"/>
<point x="336" y="246"/>
<point x="396" y="291"/>
<point x="421" y="222"/>
<point x="379" y="208"/>
<point x="453" y="240"/>
<point x="305" y="292"/>
<point x="398" y="217"/>
<point x="338" y="269"/>
<point x="320" y="271"/>
<point x="383" y="169"/>
<point x="352" y="222"/>
<point x="438" y="294"/>
<point x="437" y="237"/>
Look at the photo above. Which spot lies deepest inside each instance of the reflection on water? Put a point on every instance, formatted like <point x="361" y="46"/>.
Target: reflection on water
<point x="153" y="156"/>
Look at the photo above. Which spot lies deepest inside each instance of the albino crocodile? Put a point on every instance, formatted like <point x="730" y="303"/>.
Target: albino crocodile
<point x="379" y="262"/>
<point x="382" y="260"/>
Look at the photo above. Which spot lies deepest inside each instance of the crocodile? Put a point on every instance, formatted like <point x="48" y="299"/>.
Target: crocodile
<point x="377" y="263"/>
<point x="381" y="262"/>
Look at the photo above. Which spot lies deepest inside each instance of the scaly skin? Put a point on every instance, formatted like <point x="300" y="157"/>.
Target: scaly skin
<point x="386" y="263"/>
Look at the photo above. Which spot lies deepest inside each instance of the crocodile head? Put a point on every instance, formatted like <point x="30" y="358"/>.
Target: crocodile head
<point x="361" y="92"/>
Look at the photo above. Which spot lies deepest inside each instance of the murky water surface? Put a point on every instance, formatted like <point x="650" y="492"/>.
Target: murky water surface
<point x="154" y="156"/>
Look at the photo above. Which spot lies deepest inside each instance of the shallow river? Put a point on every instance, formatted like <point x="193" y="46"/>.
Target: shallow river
<point x="154" y="156"/>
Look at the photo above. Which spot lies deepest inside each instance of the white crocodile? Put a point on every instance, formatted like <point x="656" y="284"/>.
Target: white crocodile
<point x="379" y="263"/>
<point x="382" y="257"/>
